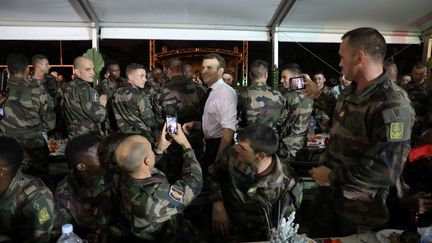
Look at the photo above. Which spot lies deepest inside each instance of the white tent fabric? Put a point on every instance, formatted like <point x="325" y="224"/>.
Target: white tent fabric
<point x="401" y="21"/>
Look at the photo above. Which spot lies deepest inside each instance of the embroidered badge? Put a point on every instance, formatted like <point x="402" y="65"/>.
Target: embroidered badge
<point x="176" y="194"/>
<point x="43" y="215"/>
<point x="95" y="97"/>
<point x="396" y="130"/>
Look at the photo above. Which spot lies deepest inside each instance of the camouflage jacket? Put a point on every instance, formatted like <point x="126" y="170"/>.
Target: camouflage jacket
<point x="106" y="86"/>
<point x="179" y="96"/>
<point x="293" y="124"/>
<point x="148" y="205"/>
<point x="369" y="138"/>
<point x="51" y="85"/>
<point x="249" y="198"/>
<point x="86" y="208"/>
<point x="418" y="95"/>
<point x="82" y="108"/>
<point x="26" y="210"/>
<point x="260" y="103"/>
<point x="134" y="111"/>
<point x="28" y="112"/>
<point x="183" y="98"/>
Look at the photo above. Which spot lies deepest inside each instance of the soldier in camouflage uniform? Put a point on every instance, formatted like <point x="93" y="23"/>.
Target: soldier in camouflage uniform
<point x="250" y="188"/>
<point x="26" y="204"/>
<point x="85" y="197"/>
<point x="132" y="108"/>
<point x="84" y="109"/>
<point x="260" y="103"/>
<point x="369" y="140"/>
<point x="42" y="79"/>
<point x="418" y="94"/>
<point x="28" y="112"/>
<point x="295" y="117"/>
<point x="108" y="86"/>
<point x="321" y="118"/>
<point x="149" y="204"/>
<point x="183" y="98"/>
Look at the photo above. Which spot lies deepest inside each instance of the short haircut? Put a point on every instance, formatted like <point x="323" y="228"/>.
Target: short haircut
<point x="187" y="66"/>
<point x="111" y="62"/>
<point x="419" y="65"/>
<point x="16" y="63"/>
<point x="131" y="161"/>
<point x="258" y="69"/>
<point x="218" y="57"/>
<point x="292" y="67"/>
<point x="78" y="61"/>
<point x="132" y="67"/>
<point x="37" y="58"/>
<point x="11" y="153"/>
<point x="319" y="72"/>
<point x="369" y="40"/>
<point x="262" y="138"/>
<point x="175" y="65"/>
<point x="77" y="146"/>
<point x="108" y="147"/>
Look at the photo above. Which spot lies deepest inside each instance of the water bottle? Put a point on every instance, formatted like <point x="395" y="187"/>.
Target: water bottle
<point x="311" y="128"/>
<point x="68" y="235"/>
<point x="426" y="237"/>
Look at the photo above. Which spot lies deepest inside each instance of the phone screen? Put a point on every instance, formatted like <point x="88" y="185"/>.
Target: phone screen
<point x="171" y="122"/>
<point x="297" y="83"/>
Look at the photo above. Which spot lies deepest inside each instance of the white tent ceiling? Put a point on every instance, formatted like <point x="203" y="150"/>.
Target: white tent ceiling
<point x="401" y="21"/>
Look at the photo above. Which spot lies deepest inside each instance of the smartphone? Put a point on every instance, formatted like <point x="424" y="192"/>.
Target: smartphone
<point x="3" y="80"/>
<point x="297" y="83"/>
<point x="171" y="123"/>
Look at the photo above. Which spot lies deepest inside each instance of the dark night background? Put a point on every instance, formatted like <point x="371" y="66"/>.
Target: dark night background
<point x="127" y="51"/>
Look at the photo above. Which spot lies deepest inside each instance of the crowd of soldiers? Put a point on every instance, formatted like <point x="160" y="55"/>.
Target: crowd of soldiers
<point x="132" y="179"/>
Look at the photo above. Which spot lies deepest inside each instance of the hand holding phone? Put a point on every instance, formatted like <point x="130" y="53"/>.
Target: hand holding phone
<point x="171" y="122"/>
<point x="297" y="83"/>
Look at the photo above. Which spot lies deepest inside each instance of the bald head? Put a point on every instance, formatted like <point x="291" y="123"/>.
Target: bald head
<point x="131" y="153"/>
<point x="78" y="61"/>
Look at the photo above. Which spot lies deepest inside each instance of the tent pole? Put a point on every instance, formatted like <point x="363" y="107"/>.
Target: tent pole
<point x="427" y="47"/>
<point x="95" y="37"/>
<point x="275" y="46"/>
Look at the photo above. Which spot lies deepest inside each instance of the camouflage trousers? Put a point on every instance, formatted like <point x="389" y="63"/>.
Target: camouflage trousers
<point x="333" y="214"/>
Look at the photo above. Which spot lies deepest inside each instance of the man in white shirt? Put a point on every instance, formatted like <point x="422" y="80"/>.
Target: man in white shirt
<point x="219" y="120"/>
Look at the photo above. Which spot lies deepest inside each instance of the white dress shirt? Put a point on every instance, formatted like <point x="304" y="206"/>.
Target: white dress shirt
<point x="220" y="110"/>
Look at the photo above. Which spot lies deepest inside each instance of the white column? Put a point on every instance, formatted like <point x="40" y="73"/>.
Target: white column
<point x="95" y="37"/>
<point x="275" y="46"/>
<point x="427" y="47"/>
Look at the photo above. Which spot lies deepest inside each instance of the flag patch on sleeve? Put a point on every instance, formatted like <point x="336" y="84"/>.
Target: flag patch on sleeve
<point x="176" y="194"/>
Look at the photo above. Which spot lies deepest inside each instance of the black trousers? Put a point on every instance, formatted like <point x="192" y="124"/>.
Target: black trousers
<point x="210" y="152"/>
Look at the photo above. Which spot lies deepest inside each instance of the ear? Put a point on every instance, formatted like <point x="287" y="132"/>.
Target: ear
<point x="3" y="170"/>
<point x="261" y="155"/>
<point x="81" y="167"/>
<point x="360" y="56"/>
<point x="266" y="75"/>
<point x="146" y="161"/>
<point x="221" y="71"/>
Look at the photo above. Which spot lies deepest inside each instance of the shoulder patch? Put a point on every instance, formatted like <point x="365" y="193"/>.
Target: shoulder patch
<point x="396" y="130"/>
<point x="43" y="215"/>
<point x="30" y="189"/>
<point x="95" y="97"/>
<point x="176" y="194"/>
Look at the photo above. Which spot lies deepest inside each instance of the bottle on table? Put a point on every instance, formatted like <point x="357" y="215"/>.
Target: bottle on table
<point x="411" y="235"/>
<point x="311" y="128"/>
<point x="68" y="236"/>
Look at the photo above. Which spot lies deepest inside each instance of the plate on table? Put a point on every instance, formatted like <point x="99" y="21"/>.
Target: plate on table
<point x="383" y="235"/>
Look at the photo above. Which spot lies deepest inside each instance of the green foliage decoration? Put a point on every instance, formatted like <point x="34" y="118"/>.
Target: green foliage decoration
<point x="98" y="63"/>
